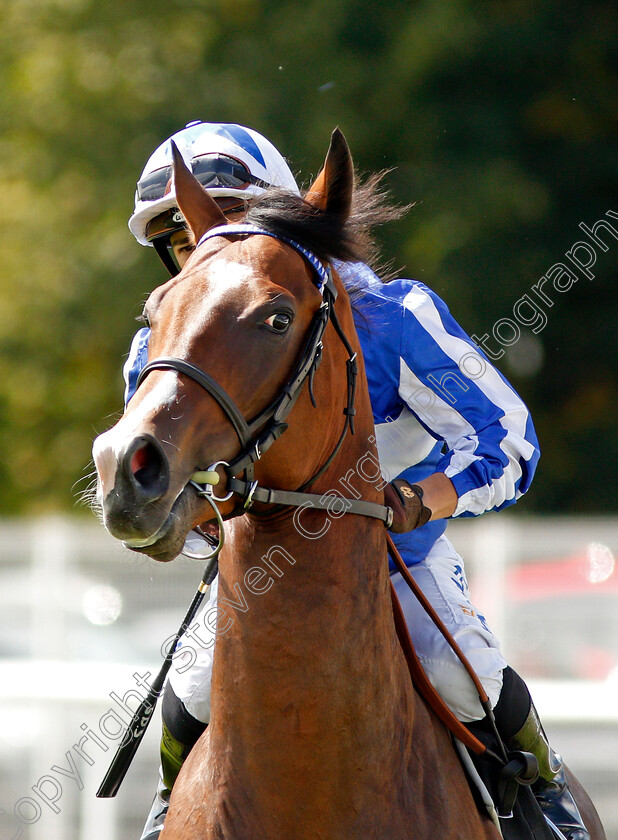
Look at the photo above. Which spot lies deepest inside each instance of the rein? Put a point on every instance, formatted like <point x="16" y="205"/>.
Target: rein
<point x="258" y="435"/>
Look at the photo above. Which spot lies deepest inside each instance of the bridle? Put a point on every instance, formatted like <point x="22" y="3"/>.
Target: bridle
<point x="257" y="436"/>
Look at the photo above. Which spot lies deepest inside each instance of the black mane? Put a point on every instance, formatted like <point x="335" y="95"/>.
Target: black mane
<point x="289" y="215"/>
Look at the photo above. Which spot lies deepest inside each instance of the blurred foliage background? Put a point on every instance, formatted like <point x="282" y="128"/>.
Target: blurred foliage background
<point x="495" y="116"/>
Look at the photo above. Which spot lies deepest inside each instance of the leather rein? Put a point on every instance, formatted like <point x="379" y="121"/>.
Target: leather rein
<point x="258" y="435"/>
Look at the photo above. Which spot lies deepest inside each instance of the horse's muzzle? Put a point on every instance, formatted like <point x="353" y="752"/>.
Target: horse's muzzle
<point x="133" y="478"/>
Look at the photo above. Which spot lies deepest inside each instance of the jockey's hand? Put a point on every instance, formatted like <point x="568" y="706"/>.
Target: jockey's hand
<point x="406" y="500"/>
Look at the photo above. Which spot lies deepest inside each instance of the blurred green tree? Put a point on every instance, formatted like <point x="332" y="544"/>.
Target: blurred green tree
<point x="497" y="119"/>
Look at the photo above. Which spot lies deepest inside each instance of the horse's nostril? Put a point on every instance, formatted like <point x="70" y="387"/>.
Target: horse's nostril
<point x="146" y="467"/>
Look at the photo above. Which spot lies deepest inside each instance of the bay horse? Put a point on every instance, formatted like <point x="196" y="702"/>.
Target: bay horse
<point x="316" y="730"/>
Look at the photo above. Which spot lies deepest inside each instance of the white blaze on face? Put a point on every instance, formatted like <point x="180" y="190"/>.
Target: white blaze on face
<point x="228" y="276"/>
<point x="108" y="447"/>
<point x="227" y="279"/>
<point x="229" y="273"/>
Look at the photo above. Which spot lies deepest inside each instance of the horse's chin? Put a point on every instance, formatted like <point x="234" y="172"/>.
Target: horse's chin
<point x="165" y="549"/>
<point x="167" y="541"/>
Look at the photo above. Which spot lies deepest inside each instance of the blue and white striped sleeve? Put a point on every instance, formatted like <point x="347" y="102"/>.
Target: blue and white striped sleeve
<point x="491" y="448"/>
<point x="137" y="358"/>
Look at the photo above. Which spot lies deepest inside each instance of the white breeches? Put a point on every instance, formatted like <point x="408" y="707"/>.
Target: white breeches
<point x="442" y="578"/>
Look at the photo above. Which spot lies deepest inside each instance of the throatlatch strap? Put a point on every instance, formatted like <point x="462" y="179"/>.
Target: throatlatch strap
<point x="289" y="498"/>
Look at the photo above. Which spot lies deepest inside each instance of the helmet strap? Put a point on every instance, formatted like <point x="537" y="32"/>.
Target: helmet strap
<point x="162" y="250"/>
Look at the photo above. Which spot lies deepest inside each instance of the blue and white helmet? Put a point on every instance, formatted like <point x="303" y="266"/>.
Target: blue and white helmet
<point x="227" y="159"/>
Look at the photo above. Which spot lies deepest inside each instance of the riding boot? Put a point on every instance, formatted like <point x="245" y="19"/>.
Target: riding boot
<point x="173" y="754"/>
<point x="551" y="789"/>
<point x="158" y="812"/>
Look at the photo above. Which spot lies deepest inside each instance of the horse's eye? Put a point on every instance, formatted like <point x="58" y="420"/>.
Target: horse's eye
<point x="279" y="322"/>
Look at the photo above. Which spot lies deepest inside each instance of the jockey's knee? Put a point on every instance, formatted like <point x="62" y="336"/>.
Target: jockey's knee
<point x="453" y="683"/>
<point x="180" y="733"/>
<point x="183" y="726"/>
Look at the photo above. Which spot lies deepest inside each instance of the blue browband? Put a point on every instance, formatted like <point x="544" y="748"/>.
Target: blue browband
<point x="323" y="273"/>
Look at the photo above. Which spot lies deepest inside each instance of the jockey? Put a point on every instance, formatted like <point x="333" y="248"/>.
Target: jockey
<point x="450" y="430"/>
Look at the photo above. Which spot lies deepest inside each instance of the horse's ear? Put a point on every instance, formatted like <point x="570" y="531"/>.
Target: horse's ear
<point x="332" y="190"/>
<point x="201" y="212"/>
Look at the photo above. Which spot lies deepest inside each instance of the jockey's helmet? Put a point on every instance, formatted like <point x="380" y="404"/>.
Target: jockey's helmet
<point x="233" y="164"/>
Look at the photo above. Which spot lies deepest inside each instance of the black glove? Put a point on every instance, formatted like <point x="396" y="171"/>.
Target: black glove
<point x="406" y="500"/>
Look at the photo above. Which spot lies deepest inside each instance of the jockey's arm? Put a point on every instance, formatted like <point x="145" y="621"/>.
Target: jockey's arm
<point x="439" y="495"/>
<point x="489" y="447"/>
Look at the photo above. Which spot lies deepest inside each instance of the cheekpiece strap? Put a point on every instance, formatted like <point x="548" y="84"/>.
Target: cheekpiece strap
<point x="324" y="275"/>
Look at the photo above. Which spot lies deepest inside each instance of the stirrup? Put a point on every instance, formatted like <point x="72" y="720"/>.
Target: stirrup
<point x="560" y="809"/>
<point x="158" y="812"/>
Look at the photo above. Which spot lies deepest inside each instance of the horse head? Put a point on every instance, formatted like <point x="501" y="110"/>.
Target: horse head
<point x="240" y="314"/>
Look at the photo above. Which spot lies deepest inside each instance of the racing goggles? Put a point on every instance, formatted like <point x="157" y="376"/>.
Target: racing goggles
<point x="172" y="220"/>
<point x="213" y="170"/>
